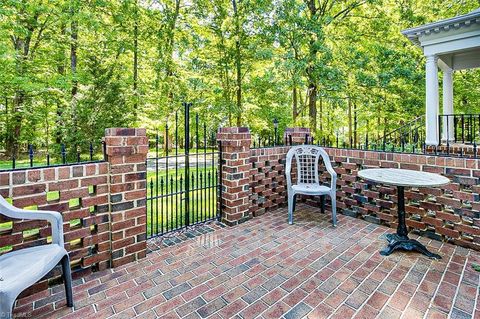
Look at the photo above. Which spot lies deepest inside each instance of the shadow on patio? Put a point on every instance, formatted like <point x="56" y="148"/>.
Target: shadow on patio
<point x="267" y="268"/>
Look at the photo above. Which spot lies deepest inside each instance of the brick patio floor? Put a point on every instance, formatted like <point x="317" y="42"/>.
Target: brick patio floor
<point x="269" y="269"/>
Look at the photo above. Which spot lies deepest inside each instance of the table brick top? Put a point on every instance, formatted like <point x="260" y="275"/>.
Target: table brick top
<point x="268" y="269"/>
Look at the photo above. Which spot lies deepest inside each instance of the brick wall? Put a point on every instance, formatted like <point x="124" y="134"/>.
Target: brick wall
<point x="268" y="186"/>
<point x="450" y="213"/>
<point x="102" y="204"/>
<point x="80" y="193"/>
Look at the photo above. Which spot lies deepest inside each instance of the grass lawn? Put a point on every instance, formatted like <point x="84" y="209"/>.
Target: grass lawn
<point x="167" y="212"/>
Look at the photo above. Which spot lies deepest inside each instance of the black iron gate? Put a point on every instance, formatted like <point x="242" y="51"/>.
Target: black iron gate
<point x="183" y="175"/>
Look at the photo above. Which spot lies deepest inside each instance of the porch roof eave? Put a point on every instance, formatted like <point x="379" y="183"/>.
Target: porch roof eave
<point x="461" y="21"/>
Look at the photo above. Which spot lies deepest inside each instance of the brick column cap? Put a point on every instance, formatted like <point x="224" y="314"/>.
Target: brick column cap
<point x="233" y="130"/>
<point x="124" y="131"/>
<point x="234" y="136"/>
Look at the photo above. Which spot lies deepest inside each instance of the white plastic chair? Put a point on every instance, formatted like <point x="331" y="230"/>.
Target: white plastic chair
<point x="307" y="157"/>
<point x="22" y="268"/>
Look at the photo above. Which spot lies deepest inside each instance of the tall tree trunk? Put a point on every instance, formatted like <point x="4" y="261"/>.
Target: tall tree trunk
<point x="355" y="139"/>
<point x="328" y="126"/>
<point x="239" y="85"/>
<point x="22" y="49"/>
<point x="321" y="116"/>
<point x="73" y="61"/>
<point x="238" y="64"/>
<point x="295" y="104"/>
<point x="312" y="106"/>
<point x="384" y="126"/>
<point x="170" y="50"/>
<point x="312" y="86"/>
<point x="379" y="121"/>
<point x="61" y="70"/>
<point x="350" y="136"/>
<point x="17" y="118"/>
<point x="169" y="71"/>
<point x="28" y="24"/>
<point x="135" y="61"/>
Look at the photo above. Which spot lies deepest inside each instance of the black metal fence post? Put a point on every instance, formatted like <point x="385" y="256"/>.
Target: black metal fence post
<point x="104" y="147"/>
<point x="156" y="188"/>
<point x="64" y="154"/>
<point x="187" y="163"/>
<point x="440" y="127"/>
<point x="30" y="154"/>
<point x="219" y="181"/>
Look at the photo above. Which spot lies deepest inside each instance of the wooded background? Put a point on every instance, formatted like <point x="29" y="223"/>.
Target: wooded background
<point x="71" y="68"/>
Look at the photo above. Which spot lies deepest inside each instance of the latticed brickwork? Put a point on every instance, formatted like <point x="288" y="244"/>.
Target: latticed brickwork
<point x="253" y="180"/>
<point x="450" y="213"/>
<point x="268" y="185"/>
<point x="102" y="204"/>
<point x="80" y="193"/>
<point x="267" y="177"/>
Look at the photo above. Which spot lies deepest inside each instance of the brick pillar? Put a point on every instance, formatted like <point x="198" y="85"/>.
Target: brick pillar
<point x="298" y="135"/>
<point x="235" y="174"/>
<point x="126" y="150"/>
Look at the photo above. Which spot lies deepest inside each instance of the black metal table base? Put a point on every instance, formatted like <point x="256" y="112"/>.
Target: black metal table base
<point x="404" y="243"/>
<point x="400" y="240"/>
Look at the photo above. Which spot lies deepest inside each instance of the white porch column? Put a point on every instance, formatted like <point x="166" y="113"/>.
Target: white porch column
<point x="447" y="105"/>
<point x="431" y="114"/>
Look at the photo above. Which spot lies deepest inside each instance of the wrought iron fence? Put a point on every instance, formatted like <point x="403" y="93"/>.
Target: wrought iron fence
<point x="403" y="144"/>
<point x="408" y="138"/>
<point x="31" y="156"/>
<point x="184" y="176"/>
<point x="262" y="141"/>
<point x="459" y="128"/>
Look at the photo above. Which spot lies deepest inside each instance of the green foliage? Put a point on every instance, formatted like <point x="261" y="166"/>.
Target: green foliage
<point x="68" y="68"/>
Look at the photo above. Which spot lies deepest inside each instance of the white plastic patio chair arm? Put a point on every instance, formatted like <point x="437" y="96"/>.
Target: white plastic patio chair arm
<point x="333" y="181"/>
<point x="54" y="218"/>
<point x="288" y="173"/>
<point x="333" y="174"/>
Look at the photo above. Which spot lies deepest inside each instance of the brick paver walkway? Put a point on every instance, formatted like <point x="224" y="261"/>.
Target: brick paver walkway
<point x="270" y="269"/>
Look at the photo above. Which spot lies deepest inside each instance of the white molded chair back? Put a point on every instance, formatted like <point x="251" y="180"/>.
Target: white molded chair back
<point x="308" y="183"/>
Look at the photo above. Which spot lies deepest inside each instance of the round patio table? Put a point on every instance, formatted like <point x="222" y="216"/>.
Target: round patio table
<point x="402" y="178"/>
